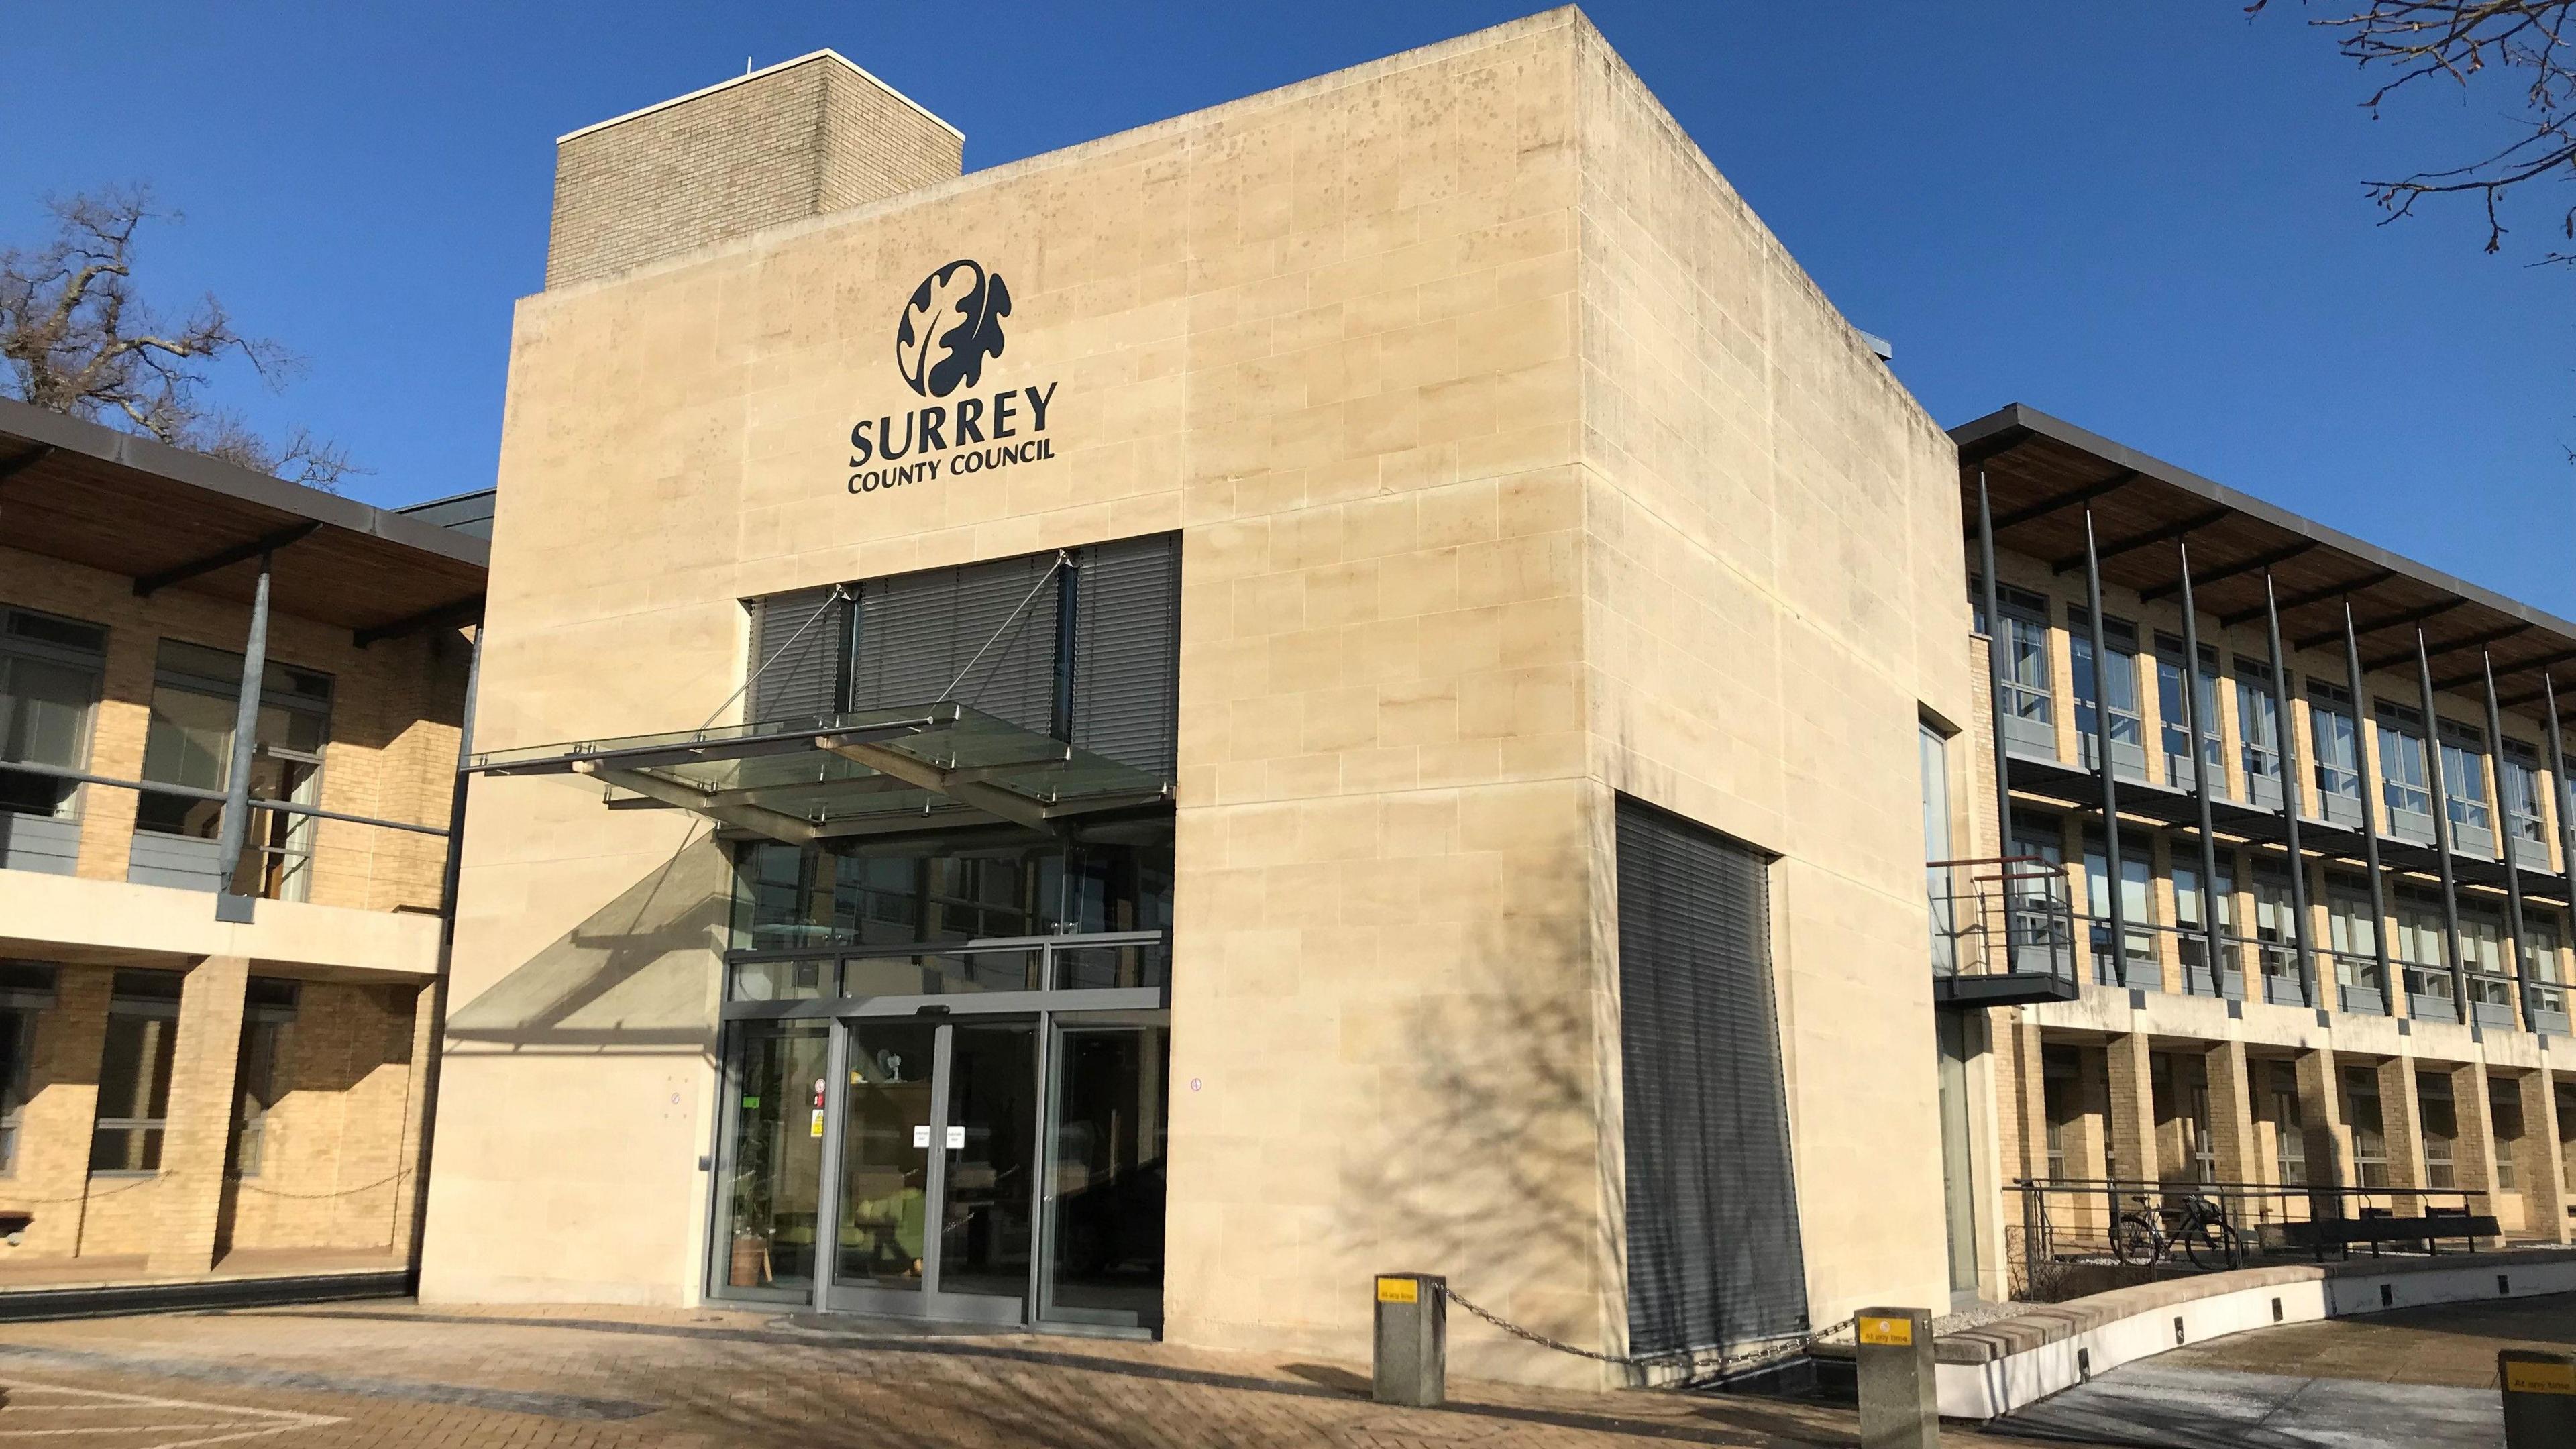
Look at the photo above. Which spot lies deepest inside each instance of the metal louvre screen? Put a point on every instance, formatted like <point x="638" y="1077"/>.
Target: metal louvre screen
<point x="1127" y="644"/>
<point x="918" y="634"/>
<point x="796" y="653"/>
<point x="1714" y="1256"/>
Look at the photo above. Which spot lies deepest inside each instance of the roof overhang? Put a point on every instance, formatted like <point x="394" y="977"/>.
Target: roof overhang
<point x="876" y="772"/>
<point x="2042" y="473"/>
<point x="167" y="517"/>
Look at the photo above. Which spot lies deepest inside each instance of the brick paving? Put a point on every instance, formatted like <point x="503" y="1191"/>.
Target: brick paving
<point x="395" y="1374"/>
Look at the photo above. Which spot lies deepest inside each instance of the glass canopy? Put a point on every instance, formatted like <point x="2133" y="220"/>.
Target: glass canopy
<point x="819" y="776"/>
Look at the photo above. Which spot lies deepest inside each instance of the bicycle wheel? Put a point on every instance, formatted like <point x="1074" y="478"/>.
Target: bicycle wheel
<point x="2134" y="1240"/>
<point x="2214" y="1245"/>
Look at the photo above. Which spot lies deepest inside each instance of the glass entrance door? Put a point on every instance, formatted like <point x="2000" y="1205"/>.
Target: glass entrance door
<point x="985" y="1165"/>
<point x="937" y="1127"/>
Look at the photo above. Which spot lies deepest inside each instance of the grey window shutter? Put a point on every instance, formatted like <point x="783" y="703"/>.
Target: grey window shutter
<point x="1127" y="644"/>
<point x="919" y="633"/>
<point x="796" y="653"/>
<point x="1714" y="1254"/>
<point x="899" y="655"/>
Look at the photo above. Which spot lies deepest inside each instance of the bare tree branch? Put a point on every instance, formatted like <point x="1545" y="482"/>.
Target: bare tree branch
<point x="2459" y="41"/>
<point x="76" y="339"/>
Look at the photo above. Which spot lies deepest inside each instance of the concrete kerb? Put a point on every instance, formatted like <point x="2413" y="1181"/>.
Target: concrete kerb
<point x="1996" y="1367"/>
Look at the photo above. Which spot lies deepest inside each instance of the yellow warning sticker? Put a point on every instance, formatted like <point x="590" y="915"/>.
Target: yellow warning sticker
<point x="1399" y="1290"/>
<point x="2539" y="1378"/>
<point x="1897" y="1331"/>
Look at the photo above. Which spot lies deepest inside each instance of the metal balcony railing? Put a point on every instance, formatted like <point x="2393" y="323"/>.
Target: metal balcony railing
<point x="2003" y="931"/>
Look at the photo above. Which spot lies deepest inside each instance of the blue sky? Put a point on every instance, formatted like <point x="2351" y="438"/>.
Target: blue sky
<point x="2144" y="218"/>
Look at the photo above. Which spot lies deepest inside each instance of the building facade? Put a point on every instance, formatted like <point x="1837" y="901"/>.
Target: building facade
<point x="1127" y="740"/>
<point x="2341" y="900"/>
<point x="229" y="716"/>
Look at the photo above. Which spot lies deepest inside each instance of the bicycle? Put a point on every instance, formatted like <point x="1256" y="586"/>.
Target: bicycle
<point x="2142" y="1237"/>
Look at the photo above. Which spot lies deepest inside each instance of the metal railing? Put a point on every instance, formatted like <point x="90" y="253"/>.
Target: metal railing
<point x="2065" y="1222"/>
<point x="2002" y="915"/>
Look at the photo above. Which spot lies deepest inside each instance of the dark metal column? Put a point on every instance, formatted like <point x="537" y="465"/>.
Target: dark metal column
<point x="236" y="824"/>
<point x="433" y="998"/>
<point x="2512" y="872"/>
<point x="1995" y="646"/>
<point x="2192" y="706"/>
<point x="2361" y="758"/>
<point x="2442" y="838"/>
<point x="2111" y="859"/>
<point x="2558" y="791"/>
<point x="2289" y="731"/>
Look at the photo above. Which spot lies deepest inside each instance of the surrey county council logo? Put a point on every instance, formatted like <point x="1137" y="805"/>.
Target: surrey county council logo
<point x="951" y="324"/>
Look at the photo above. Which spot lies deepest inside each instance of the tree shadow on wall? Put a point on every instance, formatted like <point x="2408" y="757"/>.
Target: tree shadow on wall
<point x="635" y="973"/>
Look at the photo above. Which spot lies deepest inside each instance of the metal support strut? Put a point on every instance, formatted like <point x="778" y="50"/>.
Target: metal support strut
<point x="1995" y="668"/>
<point x="2112" y="861"/>
<point x="2198" y="710"/>
<point x="2512" y="870"/>
<point x="2300" y="931"/>
<point x="2369" y="813"/>
<point x="2442" y="839"/>
<point x="235" y="830"/>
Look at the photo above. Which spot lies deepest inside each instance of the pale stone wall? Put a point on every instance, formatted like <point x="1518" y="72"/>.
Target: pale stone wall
<point x="1445" y="587"/>
<point x="1772" y="567"/>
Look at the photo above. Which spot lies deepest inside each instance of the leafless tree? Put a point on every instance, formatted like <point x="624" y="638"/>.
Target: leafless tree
<point x="78" y="340"/>
<point x="2406" y="41"/>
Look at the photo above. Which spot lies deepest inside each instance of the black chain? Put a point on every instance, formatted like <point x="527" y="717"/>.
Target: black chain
<point x="1747" y="1360"/>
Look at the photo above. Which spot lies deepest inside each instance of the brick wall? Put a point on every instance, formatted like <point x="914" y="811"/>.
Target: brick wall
<point x="334" y="1170"/>
<point x="394" y="717"/>
<point x="809" y="138"/>
<point x="332" y="1166"/>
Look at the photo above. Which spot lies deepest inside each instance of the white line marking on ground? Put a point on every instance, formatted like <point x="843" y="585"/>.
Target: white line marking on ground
<point x="237" y="1421"/>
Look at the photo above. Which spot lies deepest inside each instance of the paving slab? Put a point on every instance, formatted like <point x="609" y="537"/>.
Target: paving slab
<point x="624" y="1378"/>
<point x="2156" y="1406"/>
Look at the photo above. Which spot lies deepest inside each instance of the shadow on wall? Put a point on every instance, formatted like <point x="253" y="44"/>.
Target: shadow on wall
<point x="1494" y="1095"/>
<point x="637" y="973"/>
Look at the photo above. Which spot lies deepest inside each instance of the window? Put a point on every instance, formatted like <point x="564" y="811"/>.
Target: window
<point x="189" y="742"/>
<point x="2441" y="1128"/>
<point x="2137" y="908"/>
<point x="2289" y="1130"/>
<point x="2567" y="1133"/>
<point x="134" y="1072"/>
<point x="2061" y="1097"/>
<point x="2170" y="703"/>
<point x="2518" y="778"/>
<point x="2338" y="744"/>
<point x="2258" y="725"/>
<point x="2403" y="775"/>
<point x="2426" y="965"/>
<point x="268" y="1020"/>
<point x="2193" y="944"/>
<point x="863" y="893"/>
<point x="26" y="990"/>
<point x="2464" y="784"/>
<point x="2127" y="728"/>
<point x="49" y="679"/>
<point x="2540" y="957"/>
<point x="2369" y="1137"/>
<point x="2276" y="927"/>
<point x="2482" y="957"/>
<point x="1932" y="763"/>
<point x="2024" y="646"/>
<point x="2504" y="1114"/>
<point x="2354" y="927"/>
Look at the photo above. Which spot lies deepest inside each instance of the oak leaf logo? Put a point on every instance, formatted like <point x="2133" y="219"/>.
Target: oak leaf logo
<point x="951" y="323"/>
